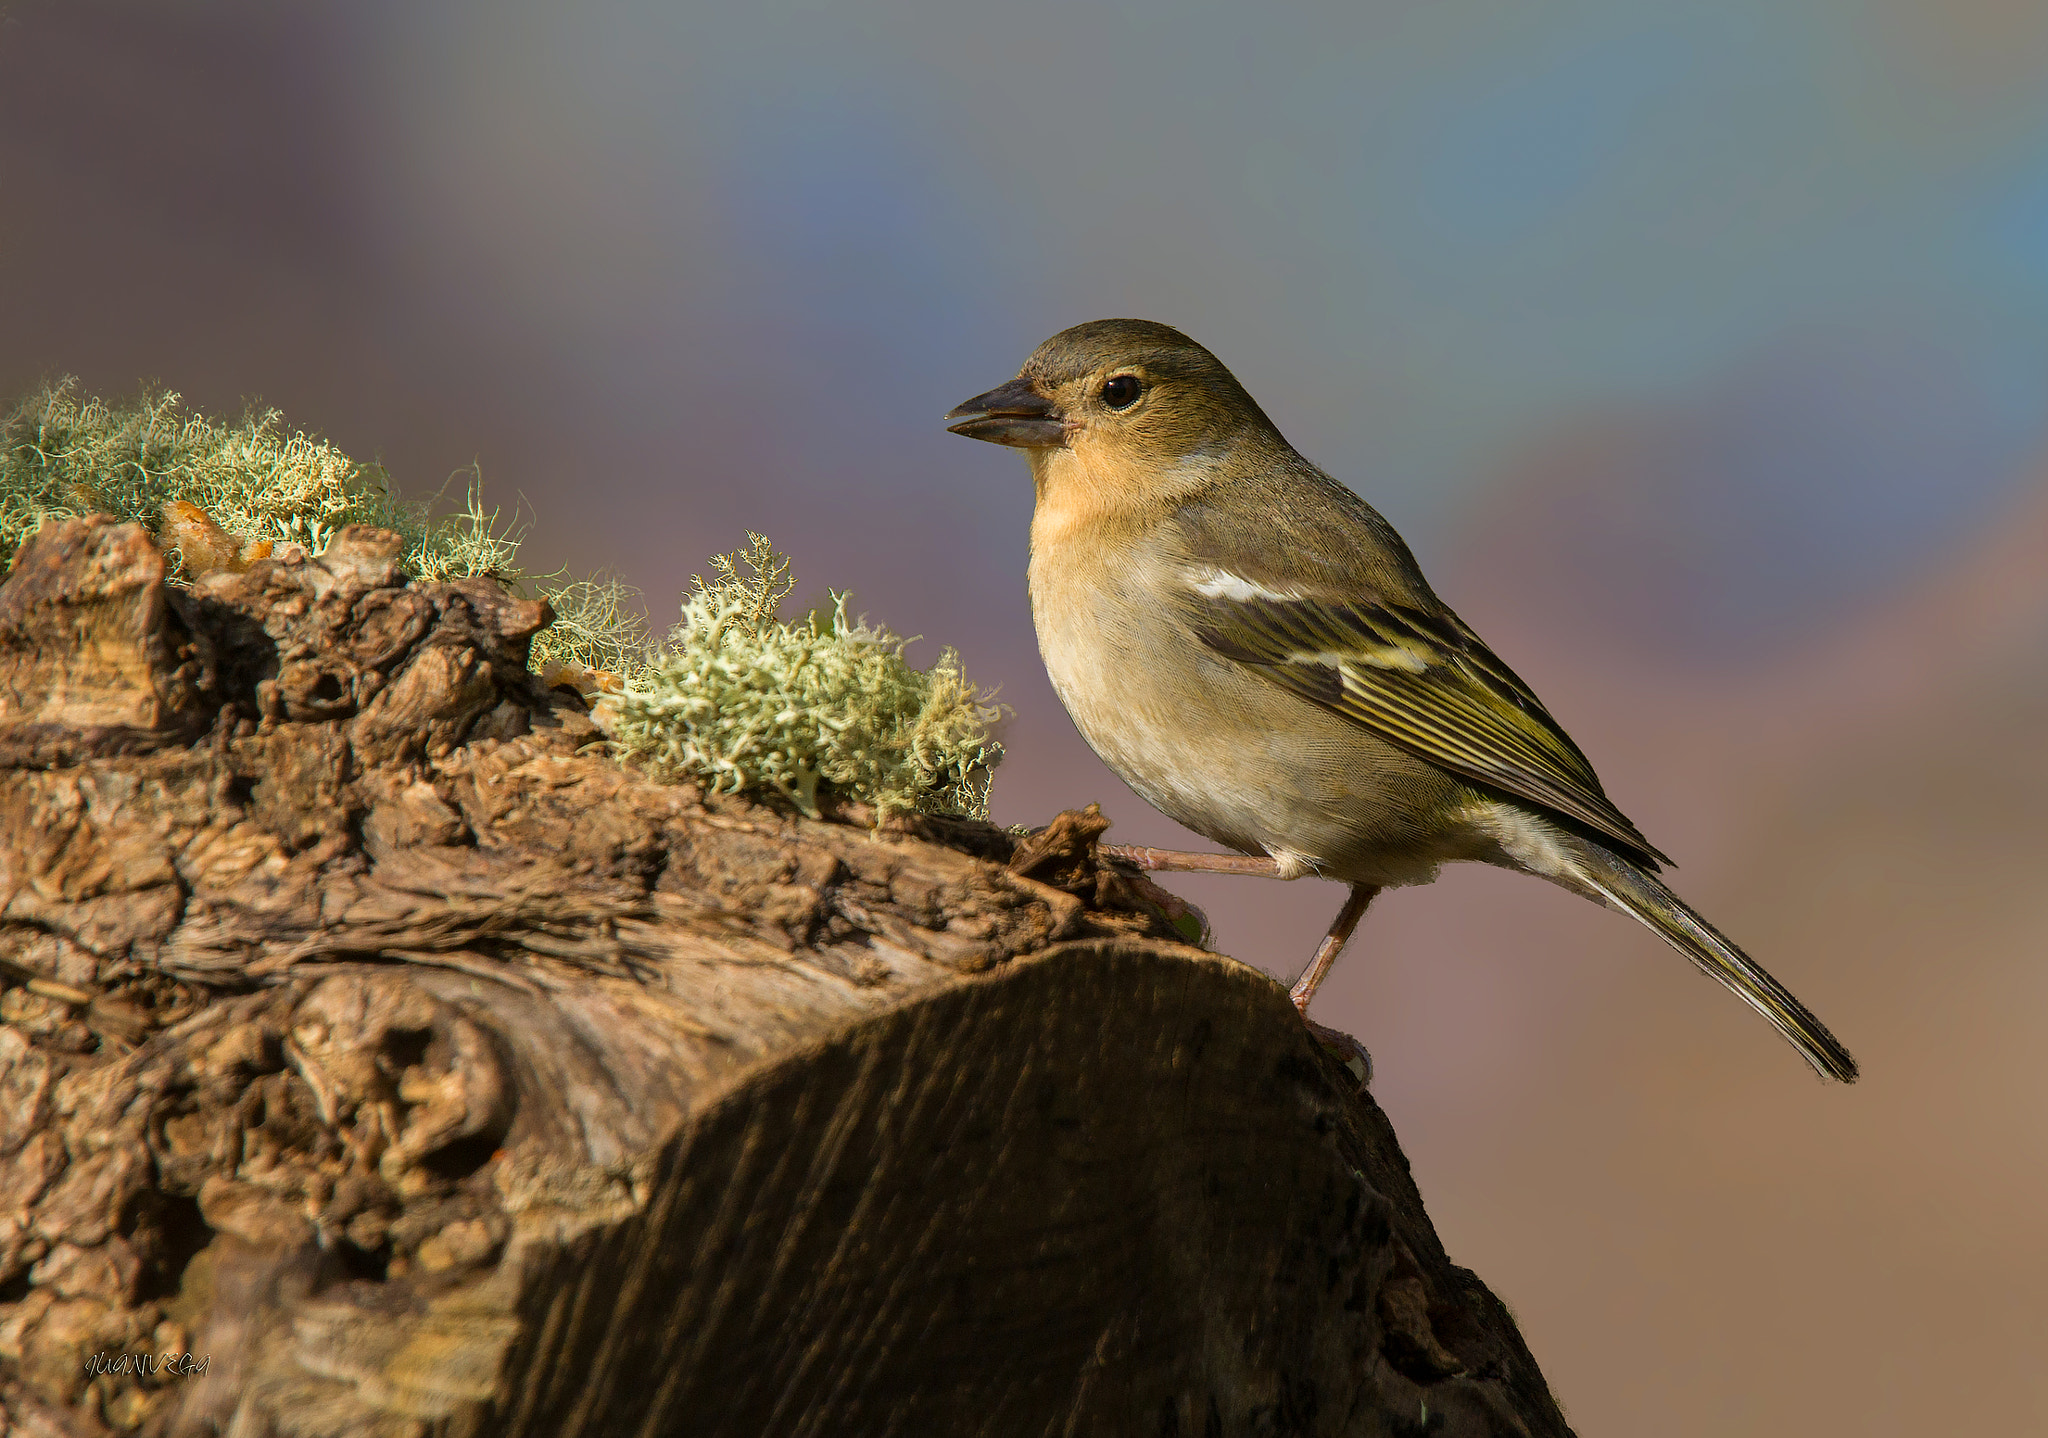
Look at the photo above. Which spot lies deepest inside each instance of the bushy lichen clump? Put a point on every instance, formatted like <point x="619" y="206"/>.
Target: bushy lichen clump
<point x="745" y="700"/>
<point x="64" y="455"/>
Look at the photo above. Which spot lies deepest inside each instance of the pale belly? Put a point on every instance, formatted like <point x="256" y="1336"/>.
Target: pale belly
<point x="1236" y="758"/>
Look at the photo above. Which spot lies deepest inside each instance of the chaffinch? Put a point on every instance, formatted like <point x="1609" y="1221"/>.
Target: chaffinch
<point x="1254" y="650"/>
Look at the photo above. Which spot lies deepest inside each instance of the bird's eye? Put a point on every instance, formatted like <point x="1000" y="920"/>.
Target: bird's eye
<point x="1121" y="391"/>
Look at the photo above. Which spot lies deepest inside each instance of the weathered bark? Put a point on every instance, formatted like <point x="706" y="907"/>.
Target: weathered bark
<point x="373" y="1037"/>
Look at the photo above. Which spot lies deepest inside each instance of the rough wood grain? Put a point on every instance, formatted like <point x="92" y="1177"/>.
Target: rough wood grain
<point x="370" y="1034"/>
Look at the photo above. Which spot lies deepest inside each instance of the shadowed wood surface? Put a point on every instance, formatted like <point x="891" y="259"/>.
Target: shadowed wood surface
<point x="373" y="1038"/>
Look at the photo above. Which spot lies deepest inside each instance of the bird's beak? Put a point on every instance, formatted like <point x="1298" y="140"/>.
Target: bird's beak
<point x="1014" y="414"/>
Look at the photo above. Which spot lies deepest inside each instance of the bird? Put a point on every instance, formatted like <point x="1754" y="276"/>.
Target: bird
<point x="1253" y="649"/>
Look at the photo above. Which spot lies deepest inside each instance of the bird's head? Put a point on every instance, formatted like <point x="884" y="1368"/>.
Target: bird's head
<point x="1116" y="391"/>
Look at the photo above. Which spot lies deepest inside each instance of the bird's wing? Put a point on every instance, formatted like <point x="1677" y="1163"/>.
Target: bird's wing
<point x="1419" y="678"/>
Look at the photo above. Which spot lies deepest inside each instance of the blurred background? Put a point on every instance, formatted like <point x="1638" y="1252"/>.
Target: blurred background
<point x="1700" y="350"/>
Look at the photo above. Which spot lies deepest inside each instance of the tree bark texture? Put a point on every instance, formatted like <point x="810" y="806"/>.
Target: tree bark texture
<point x="374" y="1038"/>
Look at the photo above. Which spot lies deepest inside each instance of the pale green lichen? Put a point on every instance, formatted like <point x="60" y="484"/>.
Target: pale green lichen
<point x="597" y="625"/>
<point x="67" y="456"/>
<point x="62" y="456"/>
<point x="744" y="700"/>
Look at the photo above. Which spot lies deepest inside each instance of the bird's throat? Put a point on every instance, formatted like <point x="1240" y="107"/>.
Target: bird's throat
<point x="1086" y="495"/>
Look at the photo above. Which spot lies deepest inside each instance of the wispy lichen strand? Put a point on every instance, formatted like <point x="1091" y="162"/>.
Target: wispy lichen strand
<point x="743" y="700"/>
<point x="597" y="625"/>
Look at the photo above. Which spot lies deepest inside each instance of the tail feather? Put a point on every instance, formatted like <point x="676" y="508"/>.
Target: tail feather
<point x="1644" y="896"/>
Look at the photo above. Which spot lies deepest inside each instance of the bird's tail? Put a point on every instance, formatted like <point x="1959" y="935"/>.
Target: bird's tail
<point x="1628" y="888"/>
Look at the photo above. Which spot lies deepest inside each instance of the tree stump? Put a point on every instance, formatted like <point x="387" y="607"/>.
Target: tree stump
<point x="377" y="1043"/>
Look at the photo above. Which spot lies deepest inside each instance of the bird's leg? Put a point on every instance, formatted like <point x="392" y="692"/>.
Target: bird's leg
<point x="1332" y="945"/>
<point x="1181" y="861"/>
<point x="1318" y="967"/>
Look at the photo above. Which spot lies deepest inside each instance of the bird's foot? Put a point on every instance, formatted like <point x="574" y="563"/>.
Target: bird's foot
<point x="1350" y="1052"/>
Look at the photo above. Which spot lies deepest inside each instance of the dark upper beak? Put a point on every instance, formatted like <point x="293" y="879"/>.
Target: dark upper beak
<point x="1013" y="414"/>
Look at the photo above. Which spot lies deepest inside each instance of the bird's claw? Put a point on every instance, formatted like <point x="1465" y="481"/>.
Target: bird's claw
<point x="1350" y="1052"/>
